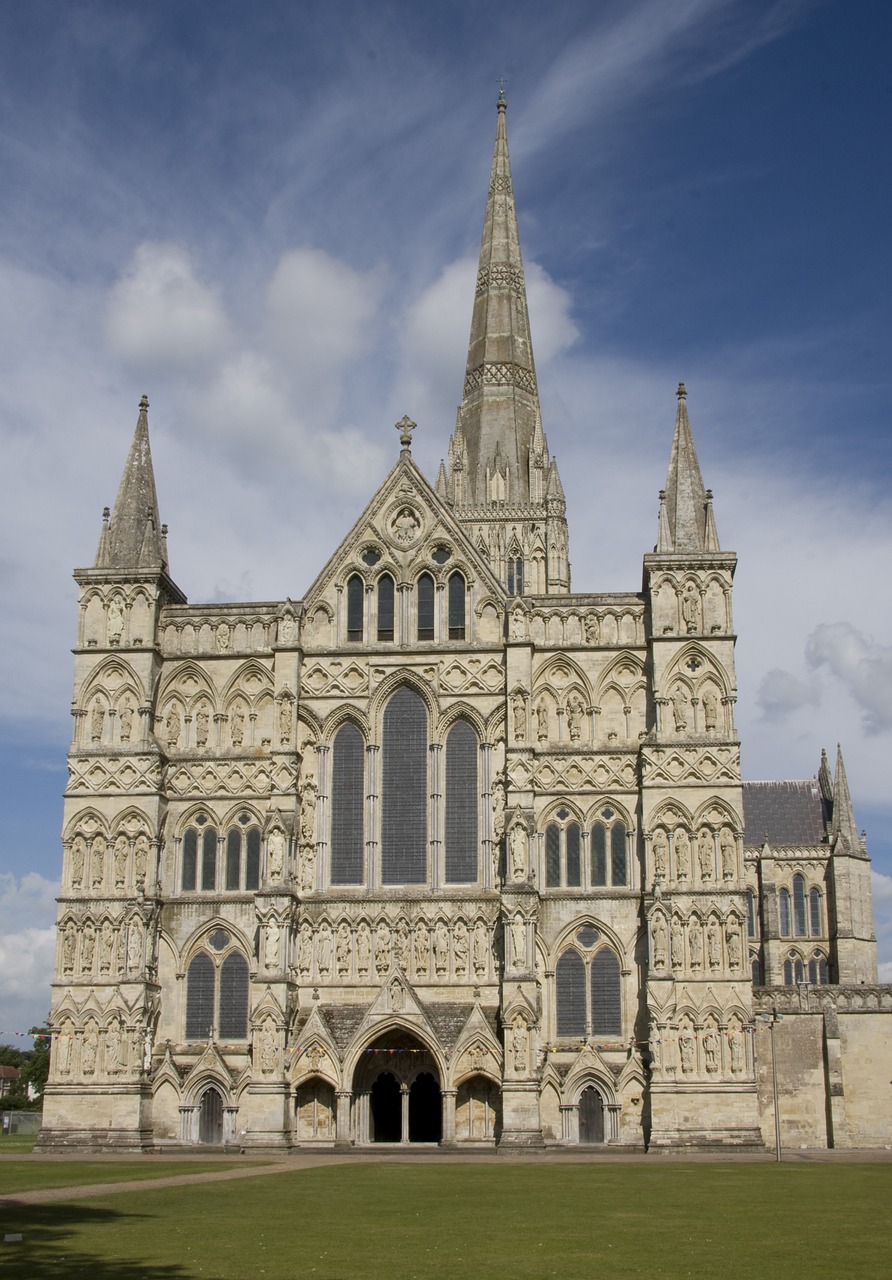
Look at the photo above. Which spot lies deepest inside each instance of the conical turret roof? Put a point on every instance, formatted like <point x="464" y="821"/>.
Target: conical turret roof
<point x="134" y="538"/>
<point x="687" y="524"/>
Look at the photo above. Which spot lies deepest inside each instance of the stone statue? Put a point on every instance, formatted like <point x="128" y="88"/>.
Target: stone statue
<point x="267" y="1048"/>
<point x="97" y="720"/>
<point x="481" y="947"/>
<point x="275" y="854"/>
<point x="677" y="944"/>
<point x="498" y="810"/>
<point x="519" y="1045"/>
<point x="574" y="717"/>
<point x="88" y="946"/>
<point x="173" y="726"/>
<point x="710" y="711"/>
<point x="518" y="845"/>
<point x="272" y="946"/>
<point x="141" y="858"/>
<point x="695" y="943"/>
<point x="713" y="945"/>
<point x="237" y="725"/>
<point x="363" y="948"/>
<point x="686" y="1051"/>
<point x="202" y="722"/>
<point x="134" y="947"/>
<point x="78" y="858"/>
<point x="680" y="707"/>
<point x="307" y="869"/>
<point x="519" y="942"/>
<point x="405" y="526"/>
<point x="308" y="795"/>
<point x="323" y="949"/>
<point x="69" y="947"/>
<point x="382" y="947"/>
<point x="728" y="849"/>
<point x="735" y="1046"/>
<point x="286" y="629"/>
<point x="659" y="938"/>
<point x="441" y="947"/>
<point x="88" y="1051"/>
<point x="106" y="948"/>
<point x="222" y="637"/>
<point x="682" y="854"/>
<point x="734" y="951"/>
<point x="63" y="1048"/>
<point x="690" y="609"/>
<point x="460" y="947"/>
<point x="97" y="861"/>
<point x="711" y="1050"/>
<point x="113" y="1047"/>
<point x="518" y="624"/>
<point x="115" y="620"/>
<point x="125" y="719"/>
<point x="706" y="854"/>
<point x="401" y="945"/>
<point x="591" y="628"/>
<point x="660" y="848"/>
<point x="420" y="947"/>
<point x="342" y="948"/>
<point x="305" y="949"/>
<point x="285" y="722"/>
<point x="542" y="720"/>
<point x="519" y="710"/>
<point x="120" y="861"/>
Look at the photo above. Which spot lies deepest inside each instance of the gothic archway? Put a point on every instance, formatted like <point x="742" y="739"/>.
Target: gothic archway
<point x="591" y="1117"/>
<point x="386" y="1108"/>
<point x="210" y="1117"/>
<point x="425" y="1109"/>
<point x="396" y="1091"/>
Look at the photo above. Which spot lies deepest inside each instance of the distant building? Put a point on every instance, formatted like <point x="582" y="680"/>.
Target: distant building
<point x="443" y="851"/>
<point x="9" y="1078"/>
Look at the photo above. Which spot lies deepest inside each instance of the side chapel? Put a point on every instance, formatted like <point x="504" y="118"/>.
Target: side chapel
<point x="444" y="852"/>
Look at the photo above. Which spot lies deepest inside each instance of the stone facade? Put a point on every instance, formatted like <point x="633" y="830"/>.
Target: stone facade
<point x="444" y="852"/>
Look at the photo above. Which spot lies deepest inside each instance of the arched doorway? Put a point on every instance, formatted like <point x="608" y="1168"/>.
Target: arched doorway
<point x="315" y="1111"/>
<point x="425" y="1109"/>
<point x="387" y="1107"/>
<point x="477" y="1110"/>
<point x="210" y="1117"/>
<point x="591" y="1117"/>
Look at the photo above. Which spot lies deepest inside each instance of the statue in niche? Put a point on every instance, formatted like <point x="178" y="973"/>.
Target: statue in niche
<point x="97" y="720"/>
<point x="519" y="1045"/>
<point x="308" y="796"/>
<point x="323" y="949"/>
<point x="307" y="869"/>
<point x="690" y="609"/>
<point x="518" y="846"/>
<point x="69" y="947"/>
<point x="441" y="947"/>
<point x="78" y="859"/>
<point x="115" y="620"/>
<point x="173" y="726"/>
<point x="519" y="941"/>
<point x="711" y="1050"/>
<point x="498" y="810"/>
<point x="695" y="943"/>
<point x="660" y="934"/>
<point x="113" y="1047"/>
<point x="728" y="850"/>
<point x="106" y="948"/>
<point x="734" y="949"/>
<point x="677" y="944"/>
<point x="710" y="711"/>
<point x="267" y="1048"/>
<point x="706" y="854"/>
<point x="405" y="526"/>
<point x="735" y="1047"/>
<point x="686" y="1051"/>
<point x="713" y="945"/>
<point x="134" y="947"/>
<point x="125" y="719"/>
<point x="542" y="720"/>
<point x="460" y="947"/>
<point x="518" y="624"/>
<point x="271" y="949"/>
<point x="88" y="1050"/>
<point x="285" y="722"/>
<point x="680" y="707"/>
<point x="591" y="628"/>
<point x="420" y="947"/>
<point x="222" y="637"/>
<point x="396" y="996"/>
<point x="481" y="947"/>
<point x="342" y="948"/>
<point x="660" y="848"/>
<point x="575" y="709"/>
<point x="519" y="711"/>
<point x="363" y="948"/>
<point x="275" y="854"/>
<point x="87" y="949"/>
<point x="237" y="725"/>
<point x="63" y="1047"/>
<point x="120" y="861"/>
<point x="141" y="858"/>
<point x="121" y="953"/>
<point x="202" y="724"/>
<point x="401" y="945"/>
<point x="305" y="949"/>
<point x="682" y="854"/>
<point x="97" y="862"/>
<point x="286" y="629"/>
<point x="382" y="947"/>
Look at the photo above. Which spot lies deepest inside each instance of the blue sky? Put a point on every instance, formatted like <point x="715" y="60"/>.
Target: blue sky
<point x="266" y="217"/>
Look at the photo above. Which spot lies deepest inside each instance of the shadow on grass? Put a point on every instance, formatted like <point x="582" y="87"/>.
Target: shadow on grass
<point x="50" y="1245"/>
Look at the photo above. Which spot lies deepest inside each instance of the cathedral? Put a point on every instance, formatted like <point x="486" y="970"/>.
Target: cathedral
<point x="445" y="852"/>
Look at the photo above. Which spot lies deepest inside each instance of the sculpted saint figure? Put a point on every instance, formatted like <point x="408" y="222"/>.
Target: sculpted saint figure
<point x="202" y="721"/>
<point x="519" y="942"/>
<point x="660" y="848"/>
<point x="733" y="947"/>
<point x="420" y="947"/>
<point x="173" y="726"/>
<point x="88" y="1051"/>
<point x="542" y="721"/>
<point x="690" y="608"/>
<point x="96" y="721"/>
<point x="401" y="945"/>
<point x="115" y="620"/>
<point x="706" y="854"/>
<point x="677" y="944"/>
<point x="120" y="861"/>
<point x="134" y="947"/>
<point x="519" y="710"/>
<point x="686" y="1050"/>
<point x="112" y="1047"/>
<point x="97" y="860"/>
<point x="659" y="936"/>
<point x="237" y="725"/>
<point x="363" y="948"/>
<point x="735" y="1046"/>
<point x="498" y="810"/>
<point x="63" y="1048"/>
<point x="308" y="794"/>
<point x="125" y="719"/>
<point x="680" y="706"/>
<point x="711" y="1050"/>
<point x="382" y="947"/>
<point x="272" y="946"/>
<point x="78" y="858"/>
<point x="305" y="949"/>
<point x="69" y="946"/>
<point x="267" y="1048"/>
<point x="695" y="942"/>
<point x="106" y="948"/>
<point x="307" y="869"/>
<point x="518" y="624"/>
<point x="275" y="854"/>
<point x="141" y="858"/>
<point x="405" y="526"/>
<point x="323" y="949"/>
<point x="285" y="722"/>
<point x="591" y="628"/>
<point x="481" y="947"/>
<point x="342" y="949"/>
<point x="710" y="711"/>
<point x="441" y="947"/>
<point x="682" y="854"/>
<point x="728" y="848"/>
<point x="519" y="1044"/>
<point x="286" y="629"/>
<point x="460" y="947"/>
<point x="574" y="717"/>
<point x="223" y="634"/>
<point x="518" y="843"/>
<point x="713" y="945"/>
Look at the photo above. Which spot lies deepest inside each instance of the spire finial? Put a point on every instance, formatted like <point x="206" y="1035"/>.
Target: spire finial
<point x="681" y="392"/>
<point x="502" y="103"/>
<point x="144" y="404"/>
<point x="405" y="427"/>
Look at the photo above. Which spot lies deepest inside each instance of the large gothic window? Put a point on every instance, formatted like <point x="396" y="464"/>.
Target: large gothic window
<point x="588" y="991"/>
<point x="424" y="600"/>
<point x="199" y="859"/>
<point x="570" y="990"/>
<point x="355" y="608"/>
<point x="799" y="924"/>
<point x="217" y="993"/>
<point x="461" y="804"/>
<point x="347" y="804"/>
<point x="404" y="790"/>
<point x="456" y="603"/>
<point x="563" y="853"/>
<point x="606" y="995"/>
<point x="385" y="607"/>
<point x="201" y="981"/>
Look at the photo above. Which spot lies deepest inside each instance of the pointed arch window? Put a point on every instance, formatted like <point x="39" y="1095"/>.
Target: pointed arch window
<point x="200" y="997"/>
<point x="784" y="912"/>
<point x="794" y="970"/>
<point x="750" y="914"/>
<point x="588" y="994"/>
<point x="563" y="853"/>
<point x="347" y="806"/>
<point x="756" y="969"/>
<point x="424" y="599"/>
<point x="570" y="984"/>
<point x="217" y="993"/>
<point x="815" y="912"/>
<point x="355" y="608"/>
<point x="461" y="804"/>
<point x="799" y="924"/>
<point x="609" y="832"/>
<point x="515" y="575"/>
<point x="243" y="854"/>
<point x="818" y="972"/>
<point x="456" y="592"/>
<point x="386" y="602"/>
<point x="404" y="790"/>
<point x="234" y="997"/>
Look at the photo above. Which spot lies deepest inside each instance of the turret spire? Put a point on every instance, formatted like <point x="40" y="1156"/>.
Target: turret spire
<point x="687" y="523"/>
<point x="844" y="827"/>
<point x="134" y="539"/>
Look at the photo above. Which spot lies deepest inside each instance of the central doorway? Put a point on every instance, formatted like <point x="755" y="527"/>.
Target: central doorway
<point x="425" y="1109"/>
<point x="387" y="1109"/>
<point x="210" y="1117"/>
<point x="396" y="1091"/>
<point x="591" y="1117"/>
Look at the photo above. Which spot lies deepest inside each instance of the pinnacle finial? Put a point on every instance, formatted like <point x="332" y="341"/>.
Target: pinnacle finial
<point x="405" y="427"/>
<point x="681" y="392"/>
<point x="502" y="102"/>
<point x="144" y="404"/>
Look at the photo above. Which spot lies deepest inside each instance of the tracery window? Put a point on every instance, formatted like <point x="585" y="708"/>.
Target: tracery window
<point x="461" y="842"/>
<point x="563" y="853"/>
<point x="799" y="924"/>
<point x="424" y="591"/>
<point x="385" y="607"/>
<point x="609" y="833"/>
<point x="355" y="608"/>
<point x="199" y="862"/>
<point x="347" y="806"/>
<point x="217" y="991"/>
<point x="456" y="592"/>
<point x="818" y="970"/>
<point x="243" y="854"/>
<point x="404" y="790"/>
<point x="794" y="970"/>
<point x="201" y="868"/>
<point x="588" y="989"/>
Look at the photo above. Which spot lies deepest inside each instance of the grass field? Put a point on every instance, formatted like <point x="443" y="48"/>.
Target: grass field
<point x="16" y="1144"/>
<point x="31" y="1175"/>
<point x="433" y="1222"/>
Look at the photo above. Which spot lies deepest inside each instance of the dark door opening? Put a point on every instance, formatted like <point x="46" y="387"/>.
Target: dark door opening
<point x="425" y="1109"/>
<point x="591" y="1117"/>
<point x="210" y="1117"/>
<point x="386" y="1109"/>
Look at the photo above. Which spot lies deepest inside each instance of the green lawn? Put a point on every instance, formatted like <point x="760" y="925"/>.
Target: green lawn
<point x="16" y="1144"/>
<point x="30" y="1175"/>
<point x="452" y="1222"/>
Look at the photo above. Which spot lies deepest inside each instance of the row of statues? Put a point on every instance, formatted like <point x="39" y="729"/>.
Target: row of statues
<point x="94" y="864"/>
<point x="712" y="852"/>
<point x="682" y="704"/>
<point x="100" y="716"/>
<point x="428" y="950"/>
<point x="107" y="949"/>
<point x="93" y="1050"/>
<point x="710" y="945"/>
<point x="699" y="1050"/>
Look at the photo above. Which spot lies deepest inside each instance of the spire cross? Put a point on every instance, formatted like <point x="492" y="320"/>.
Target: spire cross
<point x="502" y="101"/>
<point x="405" y="427"/>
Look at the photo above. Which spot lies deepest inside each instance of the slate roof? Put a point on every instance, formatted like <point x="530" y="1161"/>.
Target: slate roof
<point x="783" y="813"/>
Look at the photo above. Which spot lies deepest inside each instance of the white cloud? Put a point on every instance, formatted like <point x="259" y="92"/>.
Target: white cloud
<point x="162" y="318"/>
<point x="781" y="693"/>
<point x="27" y="951"/>
<point x="863" y="667"/>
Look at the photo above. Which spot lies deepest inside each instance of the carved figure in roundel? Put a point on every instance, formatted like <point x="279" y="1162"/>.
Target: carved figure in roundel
<point x="728" y="849"/>
<point x="363" y="948"/>
<point x="680" y="707"/>
<point x="690" y="608"/>
<point x="275" y="854"/>
<point x="519" y="709"/>
<point x="115" y="620"/>
<point x="481" y="947"/>
<point x="518" y="844"/>
<point x="686" y="1051"/>
<point x="97" y="720"/>
<point x="661" y="853"/>
<point x="682" y="854"/>
<point x="460" y="947"/>
<point x="267" y="1047"/>
<point x="710" y="711"/>
<point x="591" y="628"/>
<point x="202" y="723"/>
<point x="706" y="854"/>
<point x="125" y="719"/>
<point x="120" y="861"/>
<point x="519" y="1040"/>
<point x="441" y="947"/>
<point x="420" y="947"/>
<point x="711" y="1050"/>
<point x="660" y="935"/>
<point x="405" y="526"/>
<point x="342" y="955"/>
<point x="574" y="716"/>
<point x="237" y="725"/>
<point x="173" y="726"/>
<point x="78" y="859"/>
<point x="542" y="720"/>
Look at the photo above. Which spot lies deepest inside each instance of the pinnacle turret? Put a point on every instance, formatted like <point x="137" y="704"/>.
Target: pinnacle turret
<point x="843" y="828"/>
<point x="687" y="524"/>
<point x="134" y="538"/>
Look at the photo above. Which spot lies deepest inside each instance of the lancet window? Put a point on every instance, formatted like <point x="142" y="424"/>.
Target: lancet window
<point x="563" y="853"/>
<point x="609" y="851"/>
<point x="355" y="608"/>
<point x="217" y="991"/>
<point x="425" y="596"/>
<point x="461" y="842"/>
<point x="404" y="790"/>
<point x="588" y="991"/>
<point x="515" y="575"/>
<point x="347" y="806"/>
<point x="200" y="863"/>
<point x="386" y="607"/>
<point x="456" y="600"/>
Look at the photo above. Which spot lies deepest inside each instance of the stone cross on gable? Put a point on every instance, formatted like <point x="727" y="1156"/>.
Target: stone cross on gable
<point x="405" y="427"/>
